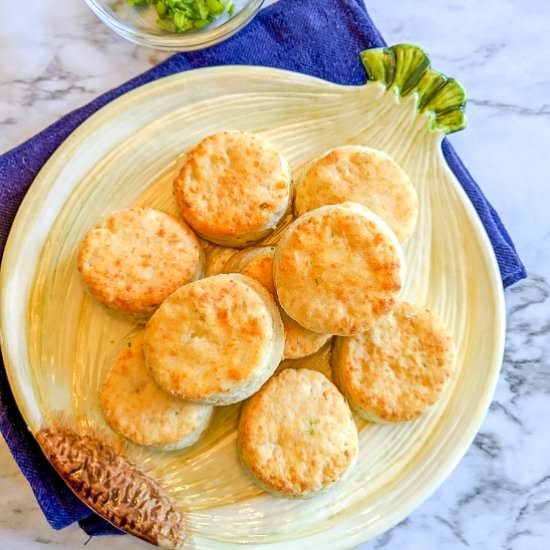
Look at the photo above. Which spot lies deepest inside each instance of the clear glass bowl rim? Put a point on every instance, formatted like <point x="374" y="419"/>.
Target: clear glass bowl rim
<point x="178" y="42"/>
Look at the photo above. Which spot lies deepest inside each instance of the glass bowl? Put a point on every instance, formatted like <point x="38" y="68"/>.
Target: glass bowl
<point x="139" y="25"/>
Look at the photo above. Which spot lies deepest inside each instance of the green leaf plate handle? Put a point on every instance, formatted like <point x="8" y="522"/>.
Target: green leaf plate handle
<point x="405" y="69"/>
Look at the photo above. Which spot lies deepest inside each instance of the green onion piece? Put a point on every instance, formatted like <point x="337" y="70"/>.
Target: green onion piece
<point x="161" y="9"/>
<point x="179" y="20"/>
<point x="166" y="24"/>
<point x="215" y="6"/>
<point x="201" y="23"/>
<point x="202" y="9"/>
<point x="182" y="15"/>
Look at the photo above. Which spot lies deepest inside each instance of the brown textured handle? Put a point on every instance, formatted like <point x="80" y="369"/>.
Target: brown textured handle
<point x="113" y="487"/>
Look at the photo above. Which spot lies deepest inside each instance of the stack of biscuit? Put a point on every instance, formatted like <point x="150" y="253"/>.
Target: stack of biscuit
<point x="336" y="271"/>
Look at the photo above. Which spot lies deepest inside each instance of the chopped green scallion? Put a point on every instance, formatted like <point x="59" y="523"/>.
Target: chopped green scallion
<point x="161" y="9"/>
<point x="215" y="6"/>
<point x="182" y="15"/>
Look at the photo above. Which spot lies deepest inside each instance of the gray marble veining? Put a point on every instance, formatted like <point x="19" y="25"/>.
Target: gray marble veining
<point x="498" y="497"/>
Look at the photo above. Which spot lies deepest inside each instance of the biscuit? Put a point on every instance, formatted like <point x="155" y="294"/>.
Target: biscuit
<point x="136" y="408"/>
<point x="364" y="175"/>
<point x="216" y="340"/>
<point x="233" y="188"/>
<point x="217" y="258"/>
<point x="137" y="257"/>
<point x="297" y="435"/>
<point x="398" y="368"/>
<point x="299" y="341"/>
<point x="258" y="264"/>
<point x="337" y="269"/>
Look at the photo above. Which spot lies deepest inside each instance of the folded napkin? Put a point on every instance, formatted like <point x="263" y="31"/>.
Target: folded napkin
<point x="322" y="38"/>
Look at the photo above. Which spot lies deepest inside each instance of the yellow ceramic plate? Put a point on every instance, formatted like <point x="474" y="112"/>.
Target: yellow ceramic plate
<point x="57" y="340"/>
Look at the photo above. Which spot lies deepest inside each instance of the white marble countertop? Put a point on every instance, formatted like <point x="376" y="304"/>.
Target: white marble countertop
<point x="54" y="58"/>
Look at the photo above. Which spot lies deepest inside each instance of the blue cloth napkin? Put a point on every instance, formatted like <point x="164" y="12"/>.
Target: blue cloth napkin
<point x="322" y="38"/>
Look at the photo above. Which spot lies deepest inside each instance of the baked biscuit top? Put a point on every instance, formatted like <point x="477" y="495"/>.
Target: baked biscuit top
<point x="297" y="434"/>
<point x="209" y="337"/>
<point x="231" y="184"/>
<point x="397" y="369"/>
<point x="337" y="269"/>
<point x="136" y="257"/>
<point x="138" y="409"/>
<point x="364" y="175"/>
<point x="258" y="264"/>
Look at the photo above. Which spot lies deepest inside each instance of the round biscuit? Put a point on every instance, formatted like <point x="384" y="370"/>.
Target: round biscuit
<point x="364" y="175"/>
<point x="337" y="269"/>
<point x="258" y="264"/>
<point x="233" y="188"/>
<point x="297" y="435"/>
<point x="299" y="341"/>
<point x="217" y="258"/>
<point x="136" y="408"/>
<point x="137" y="257"/>
<point x="216" y="340"/>
<point x="398" y="368"/>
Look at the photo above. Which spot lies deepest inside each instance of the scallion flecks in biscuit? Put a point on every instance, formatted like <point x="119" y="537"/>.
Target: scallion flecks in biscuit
<point x="137" y="257"/>
<point x="233" y="188"/>
<point x="297" y="435"/>
<point x="398" y="368"/>
<point x="258" y="264"/>
<point x="216" y="340"/>
<point x="364" y="175"/>
<point x="135" y="407"/>
<point x="337" y="269"/>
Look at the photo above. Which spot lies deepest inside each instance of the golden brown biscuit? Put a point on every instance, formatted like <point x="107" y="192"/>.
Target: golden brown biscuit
<point x="233" y="188"/>
<point x="216" y="340"/>
<point x="398" y="368"/>
<point x="137" y="257"/>
<point x="135" y="407"/>
<point x="217" y="258"/>
<point x="364" y="175"/>
<point x="258" y="264"/>
<point x="337" y="269"/>
<point x="297" y="435"/>
<point x="299" y="341"/>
